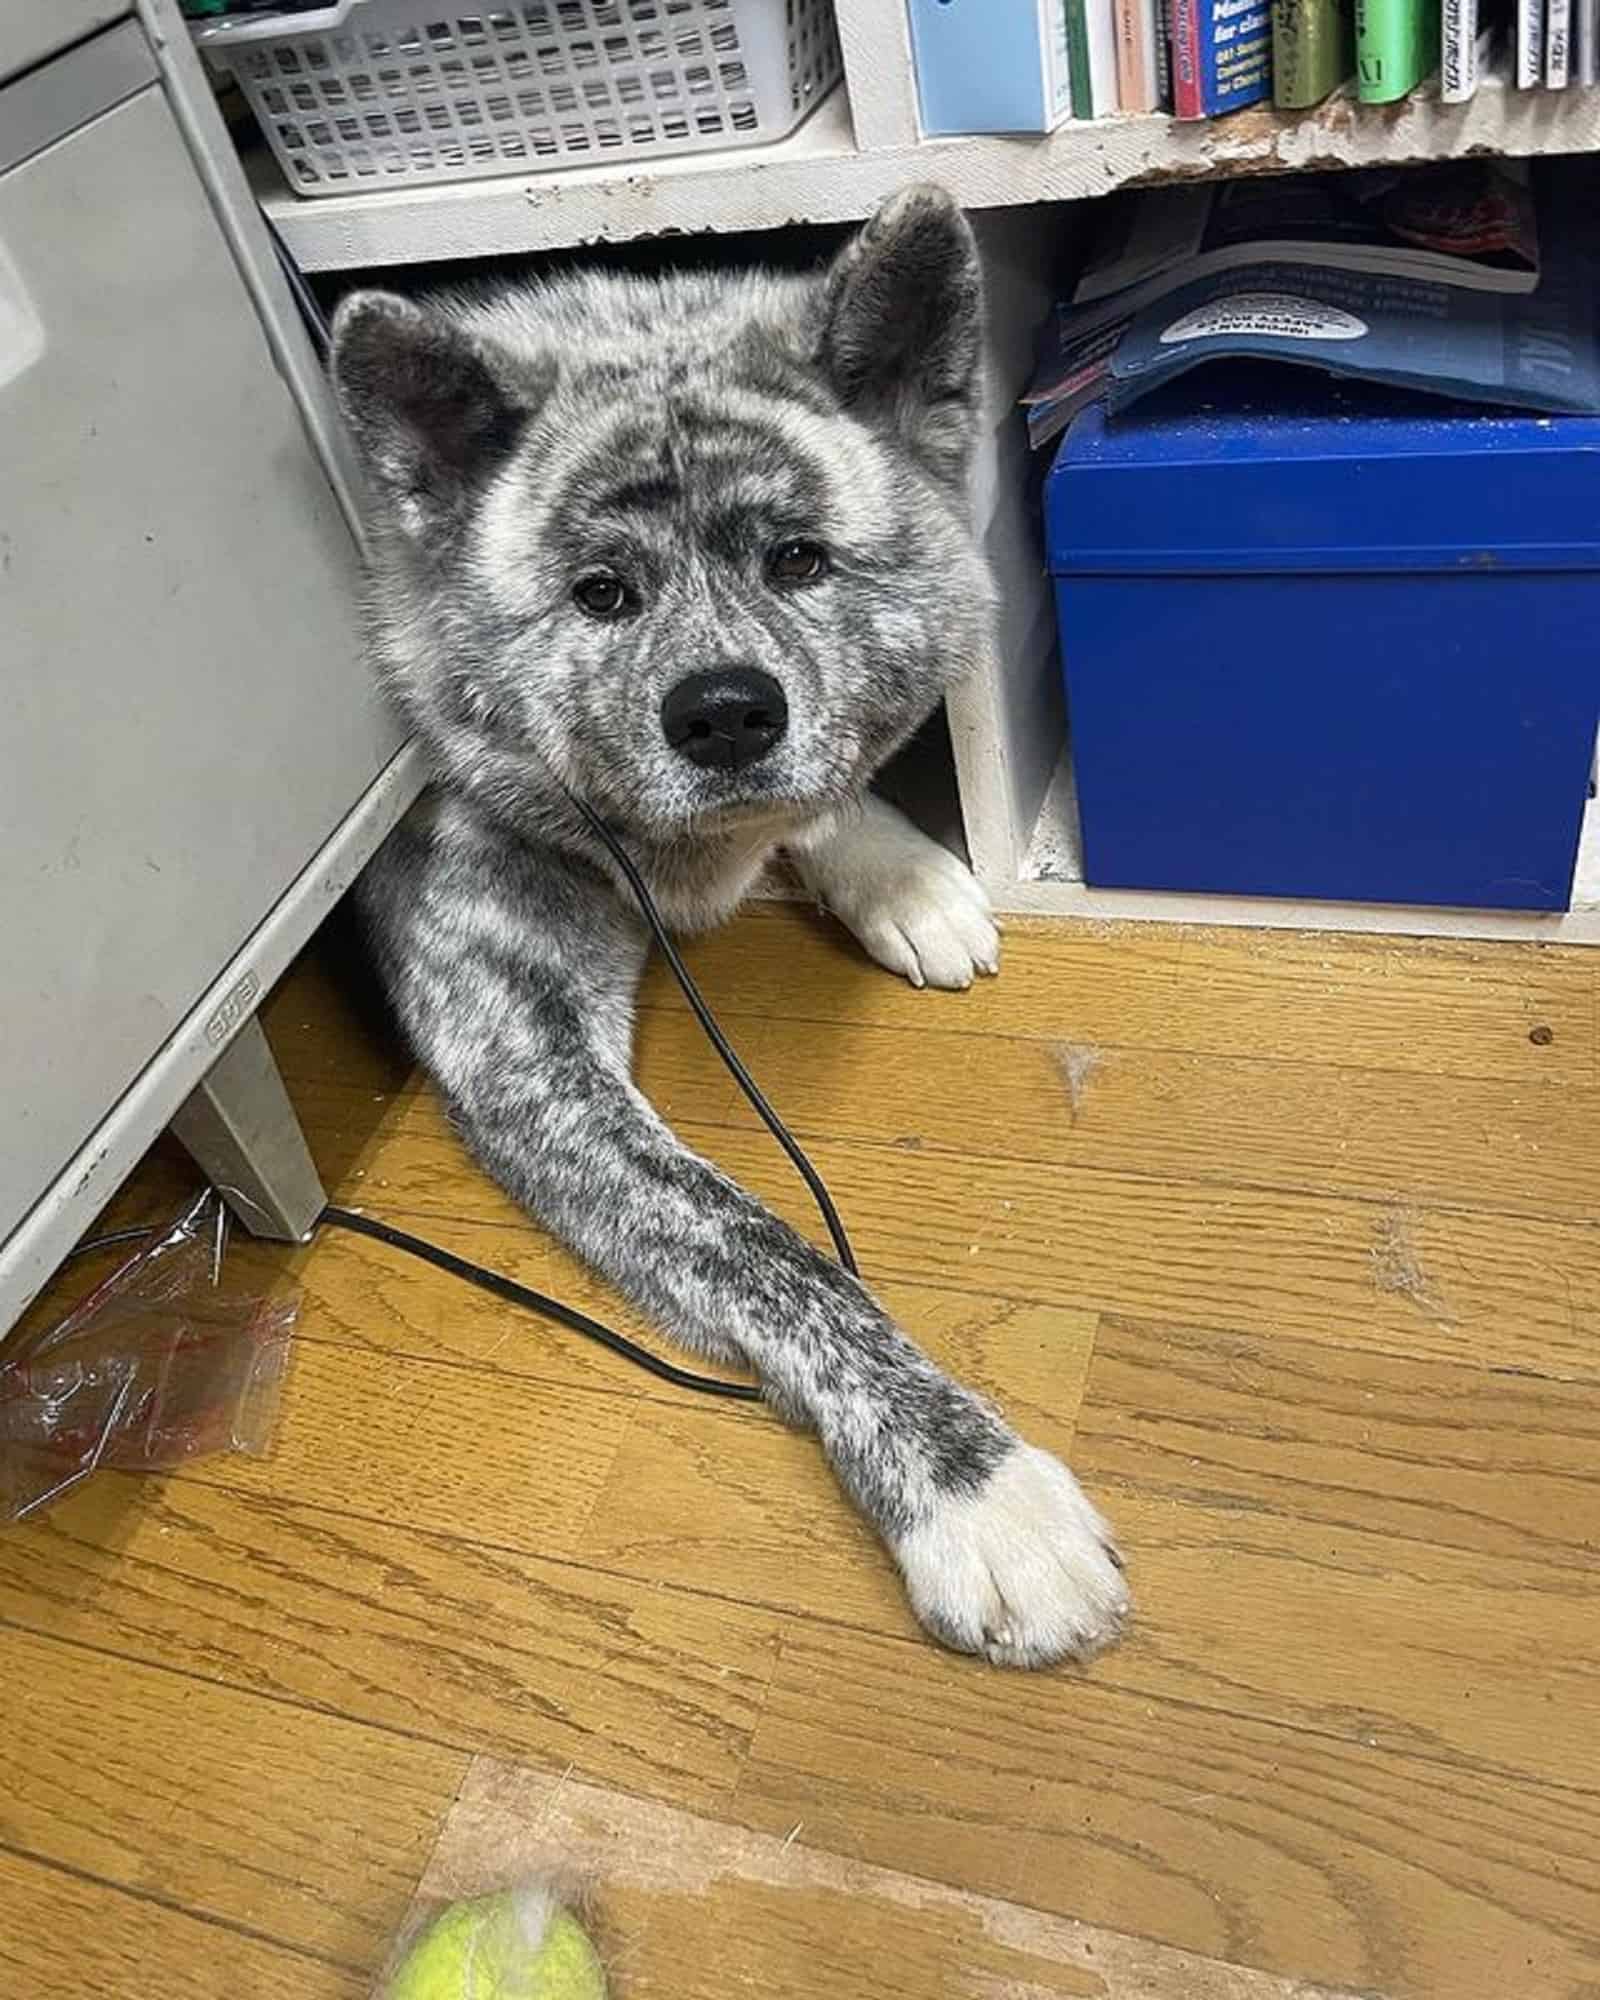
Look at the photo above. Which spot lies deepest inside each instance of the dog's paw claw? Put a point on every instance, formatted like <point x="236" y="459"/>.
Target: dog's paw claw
<point x="927" y="918"/>
<point x="915" y="908"/>
<point x="1023" y="1571"/>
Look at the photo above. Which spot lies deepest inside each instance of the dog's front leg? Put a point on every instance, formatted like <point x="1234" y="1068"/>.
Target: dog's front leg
<point x="518" y="993"/>
<point x="913" y="906"/>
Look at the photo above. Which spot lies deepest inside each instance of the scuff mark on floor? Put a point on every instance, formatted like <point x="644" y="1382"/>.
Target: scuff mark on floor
<point x="1077" y="1062"/>
<point x="1398" y="1269"/>
<point x="660" y="1880"/>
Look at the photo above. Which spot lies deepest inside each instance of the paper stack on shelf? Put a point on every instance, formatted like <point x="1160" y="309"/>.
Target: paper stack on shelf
<point x="1375" y="257"/>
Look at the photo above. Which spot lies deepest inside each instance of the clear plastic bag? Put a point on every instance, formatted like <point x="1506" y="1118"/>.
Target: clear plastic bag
<point x="162" y="1363"/>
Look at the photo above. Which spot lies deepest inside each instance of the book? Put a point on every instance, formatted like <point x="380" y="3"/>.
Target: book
<point x="1312" y="50"/>
<point x="1073" y="370"/>
<point x="1464" y="223"/>
<point x="1221" y="55"/>
<point x="1458" y="51"/>
<point x="990" y="65"/>
<point x="1457" y="226"/>
<point x="1531" y="350"/>
<point x="1530" y="44"/>
<point x="1586" y="41"/>
<point x="1138" y="25"/>
<point x="1183" y="35"/>
<point x="1397" y="45"/>
<point x="1092" y="57"/>
<point x="1557" y="43"/>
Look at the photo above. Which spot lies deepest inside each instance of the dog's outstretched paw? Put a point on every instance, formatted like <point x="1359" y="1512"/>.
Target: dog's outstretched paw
<point x="1024" y="1571"/>
<point x="915" y="908"/>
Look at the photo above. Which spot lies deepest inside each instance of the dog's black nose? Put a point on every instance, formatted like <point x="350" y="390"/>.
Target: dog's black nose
<point x="725" y="719"/>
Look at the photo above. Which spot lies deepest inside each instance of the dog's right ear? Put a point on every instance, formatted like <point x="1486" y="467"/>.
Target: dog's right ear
<point x="902" y="325"/>
<point x="430" y="418"/>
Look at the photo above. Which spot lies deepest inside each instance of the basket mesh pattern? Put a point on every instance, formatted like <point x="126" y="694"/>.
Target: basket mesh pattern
<point x="407" y="91"/>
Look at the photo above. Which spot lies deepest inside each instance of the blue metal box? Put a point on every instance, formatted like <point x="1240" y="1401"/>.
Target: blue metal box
<point x="1344" y="650"/>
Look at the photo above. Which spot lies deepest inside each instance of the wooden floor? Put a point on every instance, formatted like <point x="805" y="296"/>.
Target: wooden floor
<point x="1289" y="1242"/>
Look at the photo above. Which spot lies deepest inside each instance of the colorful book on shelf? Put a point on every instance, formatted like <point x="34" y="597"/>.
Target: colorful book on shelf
<point x="1221" y="55"/>
<point x="1313" y="50"/>
<point x="1557" y="43"/>
<point x="1459" y="52"/>
<point x="1397" y="45"/>
<point x="1092" y="57"/>
<point x="1529" y="69"/>
<point x="1139" y="39"/>
<point x="990" y="65"/>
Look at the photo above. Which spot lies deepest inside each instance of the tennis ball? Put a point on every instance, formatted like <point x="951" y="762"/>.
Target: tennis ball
<point x="518" y="1945"/>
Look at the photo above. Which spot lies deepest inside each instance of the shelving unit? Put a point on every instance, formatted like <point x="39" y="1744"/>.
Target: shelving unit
<point x="825" y="173"/>
<point x="1007" y="727"/>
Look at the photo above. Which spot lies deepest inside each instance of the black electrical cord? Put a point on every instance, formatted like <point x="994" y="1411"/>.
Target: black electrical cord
<point x="536" y="1302"/>
<point x="486" y="1280"/>
<point x="719" y="1042"/>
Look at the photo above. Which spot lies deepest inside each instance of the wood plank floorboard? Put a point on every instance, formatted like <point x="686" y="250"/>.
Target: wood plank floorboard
<point x="1290" y="1243"/>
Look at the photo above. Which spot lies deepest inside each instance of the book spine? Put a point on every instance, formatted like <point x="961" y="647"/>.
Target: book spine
<point x="1530" y="44"/>
<point x="1128" y="30"/>
<point x="984" y="65"/>
<point x="1308" y="51"/>
<point x="1079" y="75"/>
<point x="1138" y="87"/>
<point x="1188" y="92"/>
<point x="1557" y="43"/>
<point x="1586" y="26"/>
<point x="1056" y="59"/>
<point x="1393" y="43"/>
<point x="1458" y="50"/>
<point x="1235" y="53"/>
<point x="1102" y="26"/>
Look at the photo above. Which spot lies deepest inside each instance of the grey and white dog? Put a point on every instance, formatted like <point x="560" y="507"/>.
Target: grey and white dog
<point x="696" y="551"/>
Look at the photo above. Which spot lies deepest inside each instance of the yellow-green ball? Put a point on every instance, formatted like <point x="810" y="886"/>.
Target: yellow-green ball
<point x="483" y="1950"/>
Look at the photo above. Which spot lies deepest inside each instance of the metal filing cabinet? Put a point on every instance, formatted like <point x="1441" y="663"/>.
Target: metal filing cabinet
<point x="187" y="733"/>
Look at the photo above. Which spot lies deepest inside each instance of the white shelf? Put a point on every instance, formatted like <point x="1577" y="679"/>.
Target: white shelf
<point x="821" y="175"/>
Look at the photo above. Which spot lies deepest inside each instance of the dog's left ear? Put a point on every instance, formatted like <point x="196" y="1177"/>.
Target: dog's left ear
<point x="431" y="417"/>
<point x="902" y="326"/>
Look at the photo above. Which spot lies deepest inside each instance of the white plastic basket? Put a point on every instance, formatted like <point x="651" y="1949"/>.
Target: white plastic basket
<point x="382" y="93"/>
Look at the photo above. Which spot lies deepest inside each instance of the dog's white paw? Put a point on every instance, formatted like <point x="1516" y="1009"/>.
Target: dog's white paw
<point x="929" y="920"/>
<point x="1023" y="1571"/>
<point x="916" y="909"/>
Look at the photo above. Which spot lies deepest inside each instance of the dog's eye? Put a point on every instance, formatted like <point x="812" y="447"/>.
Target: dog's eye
<point x="601" y="595"/>
<point x="796" y="562"/>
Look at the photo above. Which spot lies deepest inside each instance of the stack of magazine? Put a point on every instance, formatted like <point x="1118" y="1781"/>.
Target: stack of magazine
<point x="1450" y="280"/>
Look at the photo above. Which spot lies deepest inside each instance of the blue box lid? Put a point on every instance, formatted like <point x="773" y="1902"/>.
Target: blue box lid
<point x="1237" y="475"/>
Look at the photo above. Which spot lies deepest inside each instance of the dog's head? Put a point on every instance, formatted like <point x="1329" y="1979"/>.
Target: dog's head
<point x="698" y="548"/>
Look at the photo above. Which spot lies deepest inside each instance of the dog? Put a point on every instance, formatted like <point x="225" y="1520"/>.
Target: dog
<point x="694" y="552"/>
